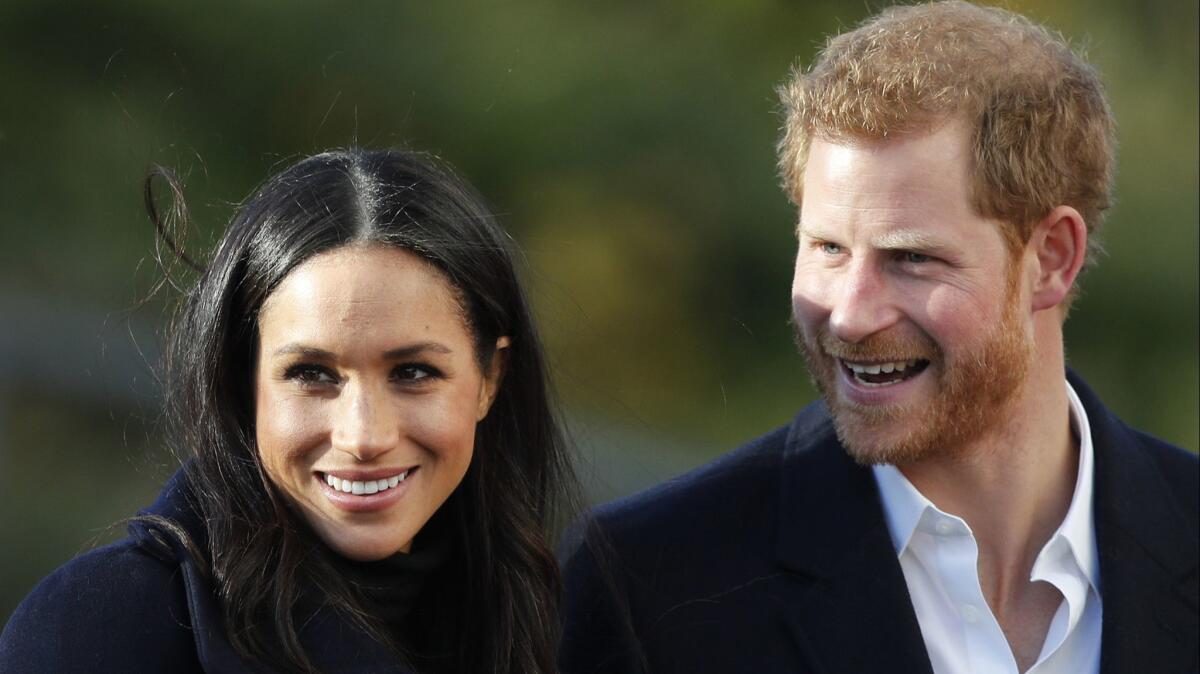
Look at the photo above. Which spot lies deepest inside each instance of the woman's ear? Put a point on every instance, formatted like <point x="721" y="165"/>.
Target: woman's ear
<point x="493" y="376"/>
<point x="1059" y="246"/>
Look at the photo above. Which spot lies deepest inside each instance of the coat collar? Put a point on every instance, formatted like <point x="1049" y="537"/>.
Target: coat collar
<point x="832" y="533"/>
<point x="1148" y="552"/>
<point x="333" y="644"/>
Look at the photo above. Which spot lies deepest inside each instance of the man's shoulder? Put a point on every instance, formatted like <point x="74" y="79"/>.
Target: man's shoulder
<point x="1123" y="452"/>
<point x="654" y="577"/>
<point x="1179" y="469"/>
<point x="730" y="493"/>
<point x="724" y="483"/>
<point x="1179" y="464"/>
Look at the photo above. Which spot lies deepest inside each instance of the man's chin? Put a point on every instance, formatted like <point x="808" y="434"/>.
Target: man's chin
<point x="869" y="435"/>
<point x="871" y="443"/>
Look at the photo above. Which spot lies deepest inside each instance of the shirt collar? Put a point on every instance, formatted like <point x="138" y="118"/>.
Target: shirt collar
<point x="903" y="505"/>
<point x="1078" y="527"/>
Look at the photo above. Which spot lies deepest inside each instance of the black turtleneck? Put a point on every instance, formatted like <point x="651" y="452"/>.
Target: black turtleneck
<point x="389" y="588"/>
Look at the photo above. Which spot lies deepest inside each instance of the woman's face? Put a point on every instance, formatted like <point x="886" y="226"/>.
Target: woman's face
<point x="367" y="393"/>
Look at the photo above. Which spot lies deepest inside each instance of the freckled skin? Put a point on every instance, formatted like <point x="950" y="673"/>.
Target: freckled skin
<point x="355" y="407"/>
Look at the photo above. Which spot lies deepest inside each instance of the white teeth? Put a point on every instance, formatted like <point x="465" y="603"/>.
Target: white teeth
<point x="364" y="487"/>
<point x="860" y="369"/>
<point x="876" y="368"/>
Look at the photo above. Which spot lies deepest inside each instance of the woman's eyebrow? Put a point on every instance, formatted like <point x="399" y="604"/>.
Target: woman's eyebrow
<point x="414" y="349"/>
<point x="302" y="350"/>
<point x="406" y="351"/>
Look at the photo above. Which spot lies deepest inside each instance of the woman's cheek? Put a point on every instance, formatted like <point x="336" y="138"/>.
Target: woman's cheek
<point x="288" y="427"/>
<point x="446" y="425"/>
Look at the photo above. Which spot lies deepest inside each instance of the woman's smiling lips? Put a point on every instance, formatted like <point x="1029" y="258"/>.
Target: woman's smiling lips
<point x="365" y="491"/>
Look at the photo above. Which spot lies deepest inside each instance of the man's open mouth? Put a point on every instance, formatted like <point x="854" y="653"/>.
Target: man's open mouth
<point x="884" y="373"/>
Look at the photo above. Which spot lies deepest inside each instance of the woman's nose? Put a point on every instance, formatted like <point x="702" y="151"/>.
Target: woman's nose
<point x="365" y="426"/>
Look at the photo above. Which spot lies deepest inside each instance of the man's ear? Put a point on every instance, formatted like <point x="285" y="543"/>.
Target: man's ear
<point x="493" y="376"/>
<point x="1059" y="246"/>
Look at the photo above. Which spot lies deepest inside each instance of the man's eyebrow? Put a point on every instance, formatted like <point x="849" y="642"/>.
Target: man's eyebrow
<point x="809" y="231"/>
<point x="907" y="239"/>
<point x="407" y="351"/>
<point x="897" y="239"/>
<point x="911" y="240"/>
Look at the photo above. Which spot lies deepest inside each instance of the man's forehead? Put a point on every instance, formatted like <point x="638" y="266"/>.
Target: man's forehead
<point x="947" y="139"/>
<point x="907" y="180"/>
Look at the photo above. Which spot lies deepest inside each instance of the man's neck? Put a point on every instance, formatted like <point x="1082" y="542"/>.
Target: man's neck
<point x="1014" y="486"/>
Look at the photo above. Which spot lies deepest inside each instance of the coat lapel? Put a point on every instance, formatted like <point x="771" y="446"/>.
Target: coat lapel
<point x="851" y="611"/>
<point x="1148" y="554"/>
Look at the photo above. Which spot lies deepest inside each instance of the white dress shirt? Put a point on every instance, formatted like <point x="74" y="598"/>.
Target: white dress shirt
<point x="939" y="557"/>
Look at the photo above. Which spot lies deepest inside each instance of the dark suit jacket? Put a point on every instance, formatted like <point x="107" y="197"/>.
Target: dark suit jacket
<point x="777" y="558"/>
<point x="140" y="606"/>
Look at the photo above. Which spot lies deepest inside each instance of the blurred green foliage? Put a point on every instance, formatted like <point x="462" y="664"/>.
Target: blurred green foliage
<point x="628" y="146"/>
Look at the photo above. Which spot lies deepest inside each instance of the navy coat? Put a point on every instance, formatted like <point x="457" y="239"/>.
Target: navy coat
<point x="777" y="558"/>
<point x="137" y="606"/>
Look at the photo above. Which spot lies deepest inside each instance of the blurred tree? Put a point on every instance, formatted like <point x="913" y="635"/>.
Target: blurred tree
<point x="628" y="146"/>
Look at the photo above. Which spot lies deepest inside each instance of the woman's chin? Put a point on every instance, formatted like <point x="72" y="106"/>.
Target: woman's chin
<point x="362" y="541"/>
<point x="367" y="550"/>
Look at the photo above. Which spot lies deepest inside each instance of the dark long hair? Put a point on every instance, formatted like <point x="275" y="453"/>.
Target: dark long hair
<point x="499" y="604"/>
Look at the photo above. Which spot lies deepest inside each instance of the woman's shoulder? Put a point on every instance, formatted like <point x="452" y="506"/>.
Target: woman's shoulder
<point x="117" y="608"/>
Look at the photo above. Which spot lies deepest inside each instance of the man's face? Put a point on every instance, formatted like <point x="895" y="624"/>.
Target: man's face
<point x="908" y="306"/>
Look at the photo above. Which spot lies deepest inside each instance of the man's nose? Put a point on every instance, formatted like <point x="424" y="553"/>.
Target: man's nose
<point x="863" y="303"/>
<point x="366" y="426"/>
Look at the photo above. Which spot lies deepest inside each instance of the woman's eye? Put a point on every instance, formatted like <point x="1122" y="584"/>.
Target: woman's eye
<point x="310" y="375"/>
<point x="412" y="372"/>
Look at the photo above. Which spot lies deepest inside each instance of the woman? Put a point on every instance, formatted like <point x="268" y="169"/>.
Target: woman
<point x="375" y="462"/>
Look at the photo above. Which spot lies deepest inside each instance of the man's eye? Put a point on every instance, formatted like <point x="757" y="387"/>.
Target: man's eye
<point x="310" y="375"/>
<point x="915" y="258"/>
<point x="830" y="248"/>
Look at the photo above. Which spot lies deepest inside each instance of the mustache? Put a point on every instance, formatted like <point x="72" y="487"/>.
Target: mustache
<point x="881" y="346"/>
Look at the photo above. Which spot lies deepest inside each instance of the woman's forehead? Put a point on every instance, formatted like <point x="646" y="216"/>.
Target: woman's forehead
<point x="363" y="290"/>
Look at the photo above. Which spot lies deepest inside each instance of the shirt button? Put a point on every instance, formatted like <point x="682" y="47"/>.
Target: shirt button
<point x="970" y="614"/>
<point x="944" y="528"/>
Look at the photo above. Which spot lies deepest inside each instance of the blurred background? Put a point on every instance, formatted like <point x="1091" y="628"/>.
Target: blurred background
<point x="628" y="146"/>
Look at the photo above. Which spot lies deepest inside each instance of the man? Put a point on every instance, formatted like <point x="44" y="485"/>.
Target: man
<point x="958" y="502"/>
